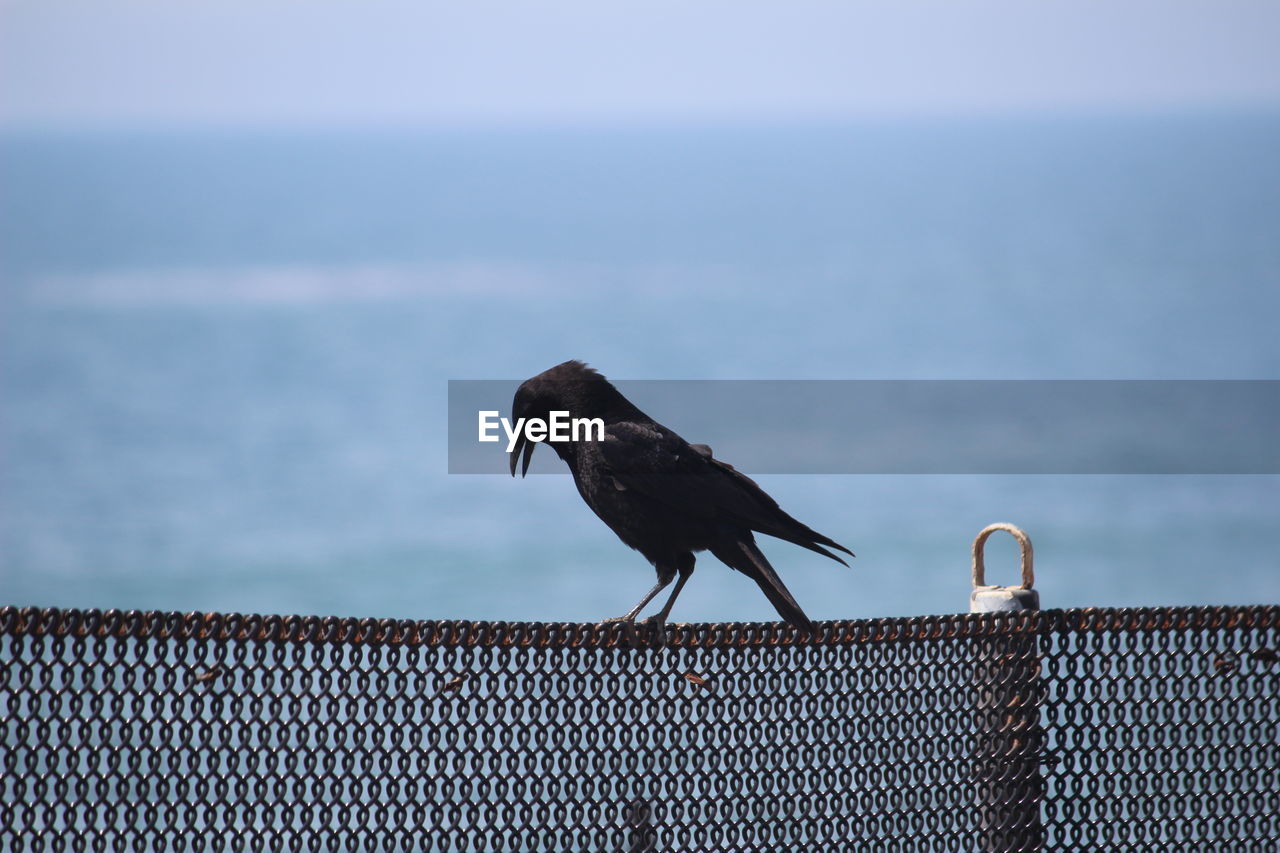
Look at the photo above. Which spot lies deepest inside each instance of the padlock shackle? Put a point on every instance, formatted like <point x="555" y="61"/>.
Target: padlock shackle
<point x="1024" y="546"/>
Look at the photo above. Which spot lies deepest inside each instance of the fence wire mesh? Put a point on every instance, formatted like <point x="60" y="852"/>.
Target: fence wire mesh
<point x="1083" y="730"/>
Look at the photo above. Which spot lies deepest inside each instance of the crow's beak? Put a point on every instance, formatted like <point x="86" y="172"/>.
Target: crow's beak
<point x="527" y="446"/>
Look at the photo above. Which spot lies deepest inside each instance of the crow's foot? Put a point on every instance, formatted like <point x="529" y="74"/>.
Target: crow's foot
<point x="657" y="626"/>
<point x="654" y="627"/>
<point x="628" y="624"/>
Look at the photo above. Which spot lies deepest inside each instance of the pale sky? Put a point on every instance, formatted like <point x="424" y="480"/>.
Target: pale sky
<point x="359" y="62"/>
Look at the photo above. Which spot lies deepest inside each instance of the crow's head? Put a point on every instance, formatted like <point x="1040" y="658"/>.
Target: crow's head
<point x="570" y="387"/>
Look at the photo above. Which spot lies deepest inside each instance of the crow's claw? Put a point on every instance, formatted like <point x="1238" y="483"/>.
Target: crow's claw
<point x="628" y="627"/>
<point x="657" y="630"/>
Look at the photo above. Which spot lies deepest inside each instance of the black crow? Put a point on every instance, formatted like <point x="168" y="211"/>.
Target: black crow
<point x="664" y="497"/>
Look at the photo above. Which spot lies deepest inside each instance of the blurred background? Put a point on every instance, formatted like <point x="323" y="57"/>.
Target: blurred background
<point x="244" y="245"/>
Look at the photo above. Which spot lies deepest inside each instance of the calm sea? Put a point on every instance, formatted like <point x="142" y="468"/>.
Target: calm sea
<point x="224" y="355"/>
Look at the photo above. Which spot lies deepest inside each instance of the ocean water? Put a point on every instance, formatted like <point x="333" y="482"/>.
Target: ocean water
<point x="224" y="356"/>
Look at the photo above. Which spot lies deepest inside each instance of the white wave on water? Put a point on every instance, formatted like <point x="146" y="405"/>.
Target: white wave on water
<point x="308" y="284"/>
<point x="287" y="285"/>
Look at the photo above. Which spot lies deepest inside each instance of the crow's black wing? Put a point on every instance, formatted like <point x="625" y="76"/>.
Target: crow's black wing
<point x="654" y="461"/>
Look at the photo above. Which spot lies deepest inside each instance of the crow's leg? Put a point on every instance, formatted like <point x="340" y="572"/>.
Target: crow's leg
<point x="662" y="584"/>
<point x="666" y="574"/>
<point x="648" y="596"/>
<point x="684" y="565"/>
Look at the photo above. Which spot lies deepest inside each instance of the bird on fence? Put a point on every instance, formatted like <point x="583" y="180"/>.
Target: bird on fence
<point x="662" y="496"/>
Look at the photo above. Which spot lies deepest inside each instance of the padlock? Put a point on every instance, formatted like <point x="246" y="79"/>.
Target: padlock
<point x="998" y="599"/>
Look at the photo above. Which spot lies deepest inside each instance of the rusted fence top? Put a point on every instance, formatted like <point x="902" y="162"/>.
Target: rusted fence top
<point x="153" y="624"/>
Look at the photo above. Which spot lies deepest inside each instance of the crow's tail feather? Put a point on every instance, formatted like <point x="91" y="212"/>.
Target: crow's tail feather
<point x="744" y="556"/>
<point x="806" y="537"/>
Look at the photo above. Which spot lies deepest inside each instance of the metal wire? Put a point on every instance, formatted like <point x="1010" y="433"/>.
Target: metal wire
<point x="1082" y="730"/>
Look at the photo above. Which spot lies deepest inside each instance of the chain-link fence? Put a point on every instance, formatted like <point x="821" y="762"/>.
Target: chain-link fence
<point x="1082" y="730"/>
